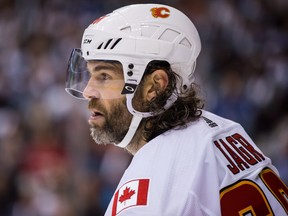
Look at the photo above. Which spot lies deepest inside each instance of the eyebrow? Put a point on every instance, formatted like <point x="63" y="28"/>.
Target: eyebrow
<point x="108" y="66"/>
<point x="104" y="67"/>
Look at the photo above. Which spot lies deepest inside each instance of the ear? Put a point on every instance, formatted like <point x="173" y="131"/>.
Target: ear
<point x="157" y="82"/>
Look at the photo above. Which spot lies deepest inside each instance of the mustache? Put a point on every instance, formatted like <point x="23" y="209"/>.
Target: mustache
<point x="94" y="104"/>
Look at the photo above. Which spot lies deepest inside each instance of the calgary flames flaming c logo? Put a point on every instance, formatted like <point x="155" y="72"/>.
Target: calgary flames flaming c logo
<point x="161" y="12"/>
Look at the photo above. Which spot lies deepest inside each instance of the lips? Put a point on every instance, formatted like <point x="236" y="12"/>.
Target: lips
<point x="95" y="117"/>
<point x="96" y="113"/>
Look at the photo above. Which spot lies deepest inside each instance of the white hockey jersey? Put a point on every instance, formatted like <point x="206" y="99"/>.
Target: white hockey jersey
<point x="211" y="167"/>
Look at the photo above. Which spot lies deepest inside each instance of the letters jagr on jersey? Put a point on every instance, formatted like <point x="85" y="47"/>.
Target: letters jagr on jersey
<point x="239" y="153"/>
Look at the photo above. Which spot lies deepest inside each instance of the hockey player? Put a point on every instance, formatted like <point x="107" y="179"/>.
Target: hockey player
<point x="135" y="67"/>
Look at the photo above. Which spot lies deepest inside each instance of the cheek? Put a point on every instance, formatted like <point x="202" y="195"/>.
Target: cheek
<point x="110" y="94"/>
<point x="115" y="87"/>
<point x="108" y="90"/>
<point x="115" y="104"/>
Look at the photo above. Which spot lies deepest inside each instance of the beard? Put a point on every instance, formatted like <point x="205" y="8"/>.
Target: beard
<point x="116" y="123"/>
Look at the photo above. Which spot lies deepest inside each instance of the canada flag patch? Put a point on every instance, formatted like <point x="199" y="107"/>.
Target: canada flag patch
<point x="132" y="193"/>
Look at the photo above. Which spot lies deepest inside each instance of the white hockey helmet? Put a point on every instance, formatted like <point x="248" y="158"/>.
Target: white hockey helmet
<point x="135" y="35"/>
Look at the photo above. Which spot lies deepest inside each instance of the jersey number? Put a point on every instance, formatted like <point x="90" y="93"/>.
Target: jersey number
<point x="246" y="198"/>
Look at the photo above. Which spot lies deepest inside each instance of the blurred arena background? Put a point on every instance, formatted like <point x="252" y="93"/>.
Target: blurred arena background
<point x="49" y="165"/>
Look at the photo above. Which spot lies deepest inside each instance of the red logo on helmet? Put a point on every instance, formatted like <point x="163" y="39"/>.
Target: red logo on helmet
<point x="161" y="12"/>
<point x="99" y="19"/>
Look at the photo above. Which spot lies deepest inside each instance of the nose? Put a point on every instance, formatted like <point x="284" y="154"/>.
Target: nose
<point x="90" y="92"/>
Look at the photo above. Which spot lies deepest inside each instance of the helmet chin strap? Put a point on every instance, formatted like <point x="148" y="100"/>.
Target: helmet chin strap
<point x="138" y="116"/>
<point x="131" y="131"/>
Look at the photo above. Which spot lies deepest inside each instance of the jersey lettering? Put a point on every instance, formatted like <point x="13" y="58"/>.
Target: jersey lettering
<point x="231" y="166"/>
<point x="242" y="151"/>
<point x="209" y="122"/>
<point x="239" y="153"/>
<point x="248" y="147"/>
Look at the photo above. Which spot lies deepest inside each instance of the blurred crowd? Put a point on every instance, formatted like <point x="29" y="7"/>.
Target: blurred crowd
<point x="49" y="165"/>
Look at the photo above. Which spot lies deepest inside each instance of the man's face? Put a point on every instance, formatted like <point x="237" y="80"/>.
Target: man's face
<point x="110" y="118"/>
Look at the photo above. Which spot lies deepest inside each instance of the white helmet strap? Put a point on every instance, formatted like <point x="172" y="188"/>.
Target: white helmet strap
<point x="138" y="116"/>
<point x="132" y="130"/>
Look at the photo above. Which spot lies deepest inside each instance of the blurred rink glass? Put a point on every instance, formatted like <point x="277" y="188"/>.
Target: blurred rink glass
<point x="49" y="165"/>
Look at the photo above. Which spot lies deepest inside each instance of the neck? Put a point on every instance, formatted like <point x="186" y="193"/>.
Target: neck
<point x="137" y="141"/>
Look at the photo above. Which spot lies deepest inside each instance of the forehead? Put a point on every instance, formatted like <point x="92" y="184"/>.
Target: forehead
<point x="97" y="65"/>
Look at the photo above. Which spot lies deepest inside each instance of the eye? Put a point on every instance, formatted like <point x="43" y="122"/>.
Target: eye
<point x="104" y="76"/>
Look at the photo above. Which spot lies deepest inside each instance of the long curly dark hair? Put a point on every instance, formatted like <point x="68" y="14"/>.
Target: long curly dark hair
<point x="187" y="107"/>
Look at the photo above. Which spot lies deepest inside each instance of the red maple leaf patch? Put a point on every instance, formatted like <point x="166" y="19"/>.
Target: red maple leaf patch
<point x="127" y="194"/>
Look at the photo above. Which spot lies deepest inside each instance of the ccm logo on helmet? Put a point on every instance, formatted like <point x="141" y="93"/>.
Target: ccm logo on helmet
<point x="161" y="12"/>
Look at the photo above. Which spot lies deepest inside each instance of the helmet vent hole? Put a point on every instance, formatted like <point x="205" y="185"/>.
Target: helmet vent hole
<point x="107" y="44"/>
<point x="185" y="42"/>
<point x="129" y="73"/>
<point x="126" y="29"/>
<point x="131" y="66"/>
<point x="148" y="30"/>
<point x="169" y="35"/>
<point x="115" y="43"/>
<point x="184" y="87"/>
<point x="99" y="47"/>
<point x="110" y="44"/>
